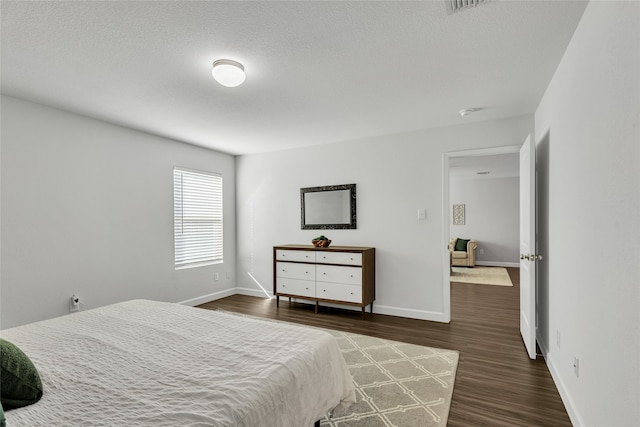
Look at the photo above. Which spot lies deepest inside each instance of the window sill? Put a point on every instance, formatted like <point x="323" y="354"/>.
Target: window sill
<point x="198" y="264"/>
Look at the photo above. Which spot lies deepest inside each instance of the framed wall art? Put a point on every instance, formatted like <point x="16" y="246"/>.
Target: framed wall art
<point x="458" y="214"/>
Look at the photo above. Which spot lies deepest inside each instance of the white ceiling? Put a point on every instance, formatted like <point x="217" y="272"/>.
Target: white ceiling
<point x="317" y="72"/>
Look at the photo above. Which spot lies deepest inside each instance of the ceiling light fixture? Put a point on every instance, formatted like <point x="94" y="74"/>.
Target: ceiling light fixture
<point x="467" y="111"/>
<point x="228" y="73"/>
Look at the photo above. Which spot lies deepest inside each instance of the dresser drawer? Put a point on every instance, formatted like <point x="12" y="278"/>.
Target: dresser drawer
<point x="303" y="288"/>
<point x="294" y="270"/>
<point x="298" y="256"/>
<point x="346" y="258"/>
<point x="333" y="273"/>
<point x="339" y="292"/>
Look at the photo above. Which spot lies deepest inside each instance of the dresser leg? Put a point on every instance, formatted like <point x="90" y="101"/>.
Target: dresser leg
<point x="371" y="308"/>
<point x="277" y="301"/>
<point x="317" y="307"/>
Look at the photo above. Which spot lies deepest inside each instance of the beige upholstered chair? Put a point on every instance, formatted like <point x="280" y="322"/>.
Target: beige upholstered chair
<point x="463" y="258"/>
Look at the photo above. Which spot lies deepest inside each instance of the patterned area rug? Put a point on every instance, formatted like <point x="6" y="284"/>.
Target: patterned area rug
<point x="481" y="276"/>
<point x="397" y="384"/>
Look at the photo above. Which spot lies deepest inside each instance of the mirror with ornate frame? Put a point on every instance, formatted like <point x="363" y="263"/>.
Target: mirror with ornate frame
<point x="330" y="207"/>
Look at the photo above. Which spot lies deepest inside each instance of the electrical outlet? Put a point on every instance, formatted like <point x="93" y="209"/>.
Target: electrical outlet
<point x="74" y="303"/>
<point x="216" y="276"/>
<point x="422" y="214"/>
<point x="576" y="367"/>
<point x="481" y="251"/>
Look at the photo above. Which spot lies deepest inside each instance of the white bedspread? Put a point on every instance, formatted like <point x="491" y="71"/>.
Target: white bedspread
<point x="147" y="363"/>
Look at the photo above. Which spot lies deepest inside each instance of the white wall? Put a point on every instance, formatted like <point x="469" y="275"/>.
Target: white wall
<point x="87" y="208"/>
<point x="395" y="175"/>
<point x="491" y="217"/>
<point x="588" y="148"/>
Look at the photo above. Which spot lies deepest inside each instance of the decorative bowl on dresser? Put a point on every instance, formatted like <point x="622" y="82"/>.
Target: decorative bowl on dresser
<point x="338" y="274"/>
<point x="321" y="243"/>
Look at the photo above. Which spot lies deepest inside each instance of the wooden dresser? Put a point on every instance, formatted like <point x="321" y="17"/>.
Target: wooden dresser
<point x="337" y="274"/>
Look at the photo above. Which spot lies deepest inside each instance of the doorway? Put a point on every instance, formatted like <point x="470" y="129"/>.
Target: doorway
<point x="467" y="165"/>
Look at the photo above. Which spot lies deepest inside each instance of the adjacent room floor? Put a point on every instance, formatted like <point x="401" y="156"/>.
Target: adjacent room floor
<point x="496" y="383"/>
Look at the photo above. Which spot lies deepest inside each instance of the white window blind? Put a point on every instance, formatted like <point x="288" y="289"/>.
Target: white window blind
<point x="197" y="212"/>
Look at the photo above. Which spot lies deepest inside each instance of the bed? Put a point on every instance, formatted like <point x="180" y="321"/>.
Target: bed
<point x="149" y="363"/>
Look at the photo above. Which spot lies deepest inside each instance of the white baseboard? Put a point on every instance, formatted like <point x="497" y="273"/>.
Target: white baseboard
<point x="209" y="297"/>
<point x="223" y="294"/>
<point x="383" y="309"/>
<point x="498" y="264"/>
<point x="253" y="292"/>
<point x="377" y="309"/>
<point x="575" y="418"/>
<point x="410" y="313"/>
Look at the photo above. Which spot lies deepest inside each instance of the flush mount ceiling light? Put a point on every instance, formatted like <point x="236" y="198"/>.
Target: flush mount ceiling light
<point x="228" y="73"/>
<point x="467" y="111"/>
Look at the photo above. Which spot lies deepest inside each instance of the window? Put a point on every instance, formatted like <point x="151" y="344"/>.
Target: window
<point x="197" y="213"/>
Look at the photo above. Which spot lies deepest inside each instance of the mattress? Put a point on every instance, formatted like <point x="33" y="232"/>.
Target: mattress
<point x="149" y="363"/>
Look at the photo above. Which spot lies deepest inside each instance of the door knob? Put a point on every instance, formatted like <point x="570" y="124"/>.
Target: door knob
<point x="531" y="257"/>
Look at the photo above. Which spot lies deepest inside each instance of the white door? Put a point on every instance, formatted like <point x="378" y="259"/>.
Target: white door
<point x="528" y="257"/>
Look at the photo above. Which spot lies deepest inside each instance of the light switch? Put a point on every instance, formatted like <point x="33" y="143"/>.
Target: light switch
<point x="422" y="214"/>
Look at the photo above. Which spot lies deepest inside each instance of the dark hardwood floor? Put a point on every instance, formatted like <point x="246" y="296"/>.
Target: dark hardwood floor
<point x="496" y="382"/>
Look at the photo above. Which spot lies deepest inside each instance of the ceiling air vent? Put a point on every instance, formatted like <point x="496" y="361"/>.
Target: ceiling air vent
<point x="454" y="6"/>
